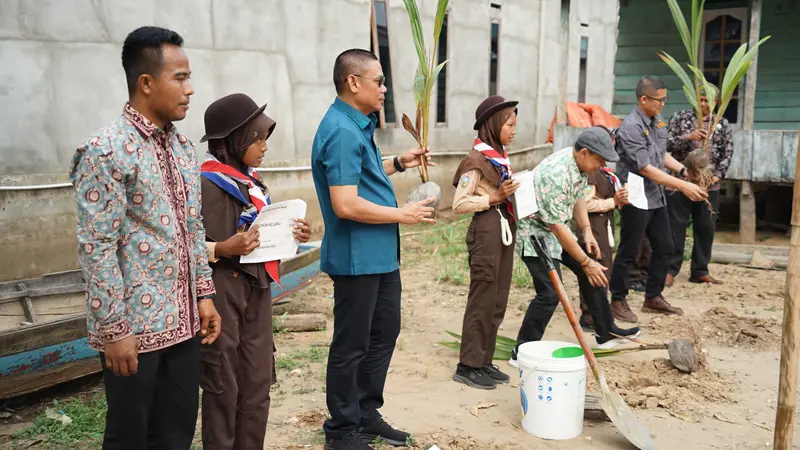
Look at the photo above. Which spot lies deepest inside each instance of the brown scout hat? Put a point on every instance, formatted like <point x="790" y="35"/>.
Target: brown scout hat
<point x="491" y="105"/>
<point x="229" y="113"/>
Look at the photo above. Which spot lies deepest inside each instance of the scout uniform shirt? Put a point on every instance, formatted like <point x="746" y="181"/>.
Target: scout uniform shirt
<point x="559" y="184"/>
<point x="642" y="141"/>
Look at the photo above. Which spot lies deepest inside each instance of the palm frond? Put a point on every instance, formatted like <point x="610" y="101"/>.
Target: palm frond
<point x="683" y="29"/>
<point x="738" y="67"/>
<point x="691" y="97"/>
<point x="416" y="31"/>
<point x="676" y="67"/>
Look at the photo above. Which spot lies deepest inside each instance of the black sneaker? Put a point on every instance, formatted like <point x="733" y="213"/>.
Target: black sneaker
<point x="494" y="372"/>
<point x="350" y="441"/>
<point x="379" y="429"/>
<point x="475" y="377"/>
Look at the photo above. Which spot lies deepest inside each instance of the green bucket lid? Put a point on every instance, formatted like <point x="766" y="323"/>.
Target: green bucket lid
<point x="567" y="352"/>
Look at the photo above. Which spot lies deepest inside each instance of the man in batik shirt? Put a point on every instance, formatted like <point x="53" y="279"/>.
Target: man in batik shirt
<point x="560" y="182"/>
<point x="685" y="135"/>
<point x="143" y="253"/>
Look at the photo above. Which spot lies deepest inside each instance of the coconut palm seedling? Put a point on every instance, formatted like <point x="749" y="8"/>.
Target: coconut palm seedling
<point x="424" y="79"/>
<point x="698" y="162"/>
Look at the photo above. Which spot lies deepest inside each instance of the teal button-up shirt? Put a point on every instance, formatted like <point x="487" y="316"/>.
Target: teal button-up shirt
<point x="344" y="153"/>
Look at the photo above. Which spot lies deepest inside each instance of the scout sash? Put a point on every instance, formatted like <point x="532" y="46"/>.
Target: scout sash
<point x="499" y="161"/>
<point x="226" y="178"/>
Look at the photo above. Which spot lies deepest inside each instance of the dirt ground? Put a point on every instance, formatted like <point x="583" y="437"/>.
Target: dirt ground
<point x="729" y="404"/>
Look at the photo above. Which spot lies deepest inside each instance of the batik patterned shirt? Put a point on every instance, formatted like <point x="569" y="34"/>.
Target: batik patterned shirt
<point x="559" y="184"/>
<point x="140" y="233"/>
<point x="684" y="123"/>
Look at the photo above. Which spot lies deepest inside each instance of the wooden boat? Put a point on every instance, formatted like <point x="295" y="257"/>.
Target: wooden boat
<point x="43" y="324"/>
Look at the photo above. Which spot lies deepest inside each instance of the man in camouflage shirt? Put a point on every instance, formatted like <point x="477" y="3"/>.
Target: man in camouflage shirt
<point x="685" y="135"/>
<point x="560" y="182"/>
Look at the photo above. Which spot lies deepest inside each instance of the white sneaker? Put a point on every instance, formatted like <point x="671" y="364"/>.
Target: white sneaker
<point x="513" y="363"/>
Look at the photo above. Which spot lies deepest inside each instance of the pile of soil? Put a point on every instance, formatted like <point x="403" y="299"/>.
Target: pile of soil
<point x="653" y="384"/>
<point x="446" y="441"/>
<point x="720" y="326"/>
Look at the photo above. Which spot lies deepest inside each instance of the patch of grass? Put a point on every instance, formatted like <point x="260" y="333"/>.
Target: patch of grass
<point x="304" y="390"/>
<point x="448" y="245"/>
<point x="301" y="358"/>
<point x="86" y="430"/>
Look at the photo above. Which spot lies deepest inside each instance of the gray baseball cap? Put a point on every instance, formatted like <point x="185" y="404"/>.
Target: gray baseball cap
<point x="597" y="140"/>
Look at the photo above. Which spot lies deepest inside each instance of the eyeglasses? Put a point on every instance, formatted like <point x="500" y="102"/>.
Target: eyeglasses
<point x="380" y="79"/>
<point x="661" y="100"/>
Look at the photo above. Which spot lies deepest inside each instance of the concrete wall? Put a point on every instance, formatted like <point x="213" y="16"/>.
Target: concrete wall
<point x="61" y="78"/>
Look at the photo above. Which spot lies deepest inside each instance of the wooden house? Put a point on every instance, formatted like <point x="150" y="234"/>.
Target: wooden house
<point x="765" y="112"/>
<point x="766" y="109"/>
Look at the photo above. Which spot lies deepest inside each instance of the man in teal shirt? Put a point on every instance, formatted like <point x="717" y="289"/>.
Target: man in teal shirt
<point x="360" y="251"/>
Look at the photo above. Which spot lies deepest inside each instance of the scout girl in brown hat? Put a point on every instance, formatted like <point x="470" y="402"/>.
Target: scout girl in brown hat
<point x="483" y="184"/>
<point x="239" y="367"/>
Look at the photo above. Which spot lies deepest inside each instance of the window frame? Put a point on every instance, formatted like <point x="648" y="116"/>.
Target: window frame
<point x="446" y="72"/>
<point x="377" y="52"/>
<point x="495" y="20"/>
<point x="742" y="14"/>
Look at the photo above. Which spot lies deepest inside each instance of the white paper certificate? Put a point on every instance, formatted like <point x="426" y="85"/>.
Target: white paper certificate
<point x="524" y="199"/>
<point x="276" y="225"/>
<point x="636" y="193"/>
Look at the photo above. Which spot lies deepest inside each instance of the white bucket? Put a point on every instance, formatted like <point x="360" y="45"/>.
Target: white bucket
<point x="552" y="389"/>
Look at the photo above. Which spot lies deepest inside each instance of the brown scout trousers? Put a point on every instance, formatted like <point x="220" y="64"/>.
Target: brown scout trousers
<point x="239" y="367"/>
<point x="490" y="268"/>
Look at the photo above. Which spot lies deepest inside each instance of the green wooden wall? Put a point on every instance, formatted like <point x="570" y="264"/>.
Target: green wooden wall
<point x="778" y="82"/>
<point x="646" y="27"/>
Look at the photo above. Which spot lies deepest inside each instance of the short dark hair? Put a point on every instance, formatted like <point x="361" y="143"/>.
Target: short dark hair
<point x="648" y="85"/>
<point x="346" y="64"/>
<point x="142" y="54"/>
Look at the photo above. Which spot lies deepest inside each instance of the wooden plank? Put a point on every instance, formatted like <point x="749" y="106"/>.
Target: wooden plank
<point x="747" y="214"/>
<point x="776" y="126"/>
<point x="767" y="151"/>
<point x="27" y="307"/>
<point x="628" y="82"/>
<point x="11" y="296"/>
<point x="16" y="385"/>
<point x="783" y="98"/>
<point x="750" y="81"/>
<point x="38" y="359"/>
<point x="42" y="335"/>
<point x="742" y="160"/>
<point x="57" y="290"/>
<point x="778" y="114"/>
<point x="789" y="156"/>
<point x="629" y="54"/>
<point x="301" y="260"/>
<point x="650" y="66"/>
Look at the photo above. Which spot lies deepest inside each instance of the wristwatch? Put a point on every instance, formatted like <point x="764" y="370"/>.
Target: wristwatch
<point x="399" y="167"/>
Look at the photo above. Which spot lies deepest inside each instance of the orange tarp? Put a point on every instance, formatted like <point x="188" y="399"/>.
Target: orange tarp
<point x="585" y="115"/>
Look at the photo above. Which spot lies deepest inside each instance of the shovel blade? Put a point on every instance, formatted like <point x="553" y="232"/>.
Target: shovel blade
<point x="626" y="421"/>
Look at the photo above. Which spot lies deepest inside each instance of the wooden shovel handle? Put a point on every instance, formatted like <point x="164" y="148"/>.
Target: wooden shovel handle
<point x="576" y="328"/>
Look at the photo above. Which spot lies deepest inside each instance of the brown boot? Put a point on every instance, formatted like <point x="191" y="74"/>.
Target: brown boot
<point x="659" y="305"/>
<point x="670" y="279"/>
<point x="621" y="311"/>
